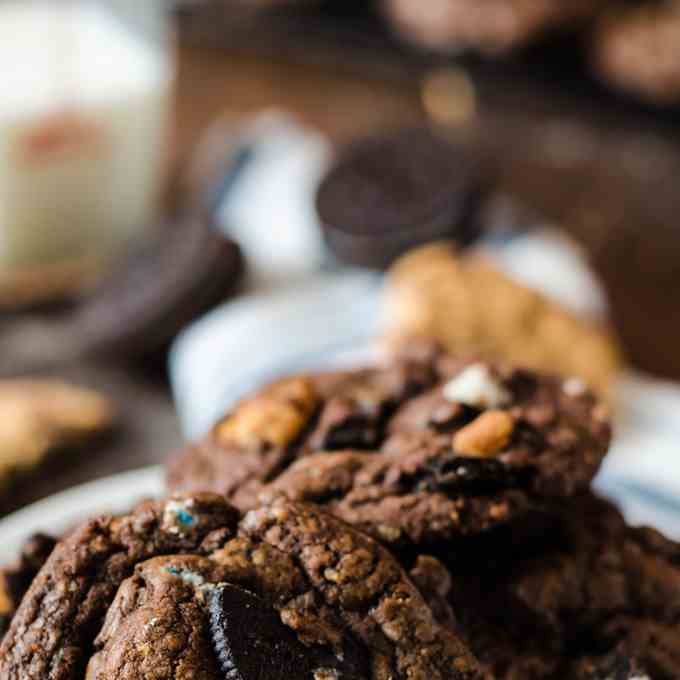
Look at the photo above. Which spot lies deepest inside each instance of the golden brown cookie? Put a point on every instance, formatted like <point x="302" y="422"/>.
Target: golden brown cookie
<point x="637" y="49"/>
<point x="39" y="417"/>
<point x="473" y="309"/>
<point x="491" y="27"/>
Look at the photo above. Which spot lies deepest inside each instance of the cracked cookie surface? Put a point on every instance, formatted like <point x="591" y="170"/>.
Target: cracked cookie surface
<point x="595" y="596"/>
<point x="421" y="451"/>
<point x="189" y="589"/>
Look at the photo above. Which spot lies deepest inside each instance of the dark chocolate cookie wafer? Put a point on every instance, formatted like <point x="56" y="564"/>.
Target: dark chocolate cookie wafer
<point x="186" y="588"/>
<point x="388" y="194"/>
<point x="417" y="452"/>
<point x="139" y="309"/>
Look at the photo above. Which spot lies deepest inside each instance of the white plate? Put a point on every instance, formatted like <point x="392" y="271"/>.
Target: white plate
<point x="60" y="512"/>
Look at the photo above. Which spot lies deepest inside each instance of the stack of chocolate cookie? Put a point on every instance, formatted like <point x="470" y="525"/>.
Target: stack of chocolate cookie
<point x="429" y="518"/>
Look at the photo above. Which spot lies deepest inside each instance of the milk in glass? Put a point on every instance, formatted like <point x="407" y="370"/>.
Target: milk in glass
<point x="83" y="108"/>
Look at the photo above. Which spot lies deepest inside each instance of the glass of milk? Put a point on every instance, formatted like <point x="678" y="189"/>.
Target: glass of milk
<point x="85" y="88"/>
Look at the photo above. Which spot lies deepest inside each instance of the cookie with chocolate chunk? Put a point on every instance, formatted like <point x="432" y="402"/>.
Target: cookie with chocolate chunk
<point x="188" y="588"/>
<point x="425" y="450"/>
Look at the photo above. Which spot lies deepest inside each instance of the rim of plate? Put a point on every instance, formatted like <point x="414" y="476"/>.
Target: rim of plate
<point x="59" y="512"/>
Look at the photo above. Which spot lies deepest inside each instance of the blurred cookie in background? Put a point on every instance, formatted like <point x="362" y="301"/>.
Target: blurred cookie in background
<point x="491" y="27"/>
<point x="473" y="309"/>
<point x="637" y="49"/>
<point x="613" y="189"/>
<point x="389" y="193"/>
<point x="45" y="284"/>
<point x="44" y="418"/>
<point x="137" y="311"/>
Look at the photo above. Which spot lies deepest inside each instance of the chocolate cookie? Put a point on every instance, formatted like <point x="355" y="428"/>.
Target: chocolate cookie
<point x="491" y="27"/>
<point x="140" y="308"/>
<point x="16" y="579"/>
<point x="388" y="194"/>
<point x="595" y="595"/>
<point x="186" y="588"/>
<point x="421" y="451"/>
<point x="637" y="49"/>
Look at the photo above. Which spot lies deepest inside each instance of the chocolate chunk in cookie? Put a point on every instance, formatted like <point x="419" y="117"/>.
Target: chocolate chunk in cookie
<point x="357" y="405"/>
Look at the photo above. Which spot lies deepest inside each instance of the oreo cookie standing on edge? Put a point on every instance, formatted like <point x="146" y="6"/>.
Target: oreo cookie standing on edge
<point x="138" y="310"/>
<point x="391" y="193"/>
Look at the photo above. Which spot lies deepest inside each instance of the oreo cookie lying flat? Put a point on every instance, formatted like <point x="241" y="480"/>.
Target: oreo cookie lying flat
<point x="251" y="643"/>
<point x="140" y="308"/>
<point x="388" y="194"/>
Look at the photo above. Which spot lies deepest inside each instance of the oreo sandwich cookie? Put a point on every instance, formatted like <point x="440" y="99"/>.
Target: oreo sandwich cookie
<point x="388" y="194"/>
<point x="139" y="309"/>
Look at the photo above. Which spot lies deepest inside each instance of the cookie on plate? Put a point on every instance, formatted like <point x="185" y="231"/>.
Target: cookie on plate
<point x="188" y="588"/>
<point x="43" y="417"/>
<point x="420" y="451"/>
<point x="470" y="307"/>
